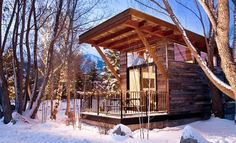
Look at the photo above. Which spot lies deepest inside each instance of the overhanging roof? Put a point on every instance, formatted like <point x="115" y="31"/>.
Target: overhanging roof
<point x="117" y="33"/>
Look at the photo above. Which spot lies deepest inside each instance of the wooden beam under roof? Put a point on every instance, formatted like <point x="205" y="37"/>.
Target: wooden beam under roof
<point x="108" y="25"/>
<point x="137" y="44"/>
<point x="142" y="23"/>
<point x="135" y="24"/>
<point x="156" y="28"/>
<point x="123" y="40"/>
<point x="167" y="32"/>
<point x="152" y="53"/>
<point x="113" y="35"/>
<point x="124" y="36"/>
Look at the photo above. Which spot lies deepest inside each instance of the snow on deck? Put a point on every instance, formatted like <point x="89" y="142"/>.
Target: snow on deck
<point x="118" y="116"/>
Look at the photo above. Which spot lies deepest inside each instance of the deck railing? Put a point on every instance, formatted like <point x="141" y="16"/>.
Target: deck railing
<point x="123" y="104"/>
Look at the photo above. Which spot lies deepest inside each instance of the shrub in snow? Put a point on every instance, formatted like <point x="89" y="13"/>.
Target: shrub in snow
<point x="1" y="113"/>
<point x="235" y="118"/>
<point x="18" y="117"/>
<point x="71" y="119"/>
<point x="121" y="130"/>
<point x="190" y="135"/>
<point x="13" y="107"/>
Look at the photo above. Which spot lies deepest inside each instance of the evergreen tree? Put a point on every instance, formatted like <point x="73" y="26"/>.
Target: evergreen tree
<point x="92" y="77"/>
<point x="7" y="59"/>
<point x="93" y="72"/>
<point x="109" y="80"/>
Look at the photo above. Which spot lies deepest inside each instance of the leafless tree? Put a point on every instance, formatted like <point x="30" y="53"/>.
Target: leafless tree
<point x="220" y="26"/>
<point x="234" y="42"/>
<point x="34" y="63"/>
<point x="4" y="94"/>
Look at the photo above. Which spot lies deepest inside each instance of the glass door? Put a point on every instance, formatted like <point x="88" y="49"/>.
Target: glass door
<point x="134" y="79"/>
<point x="148" y="78"/>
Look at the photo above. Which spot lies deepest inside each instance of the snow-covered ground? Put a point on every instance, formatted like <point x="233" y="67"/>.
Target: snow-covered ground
<point x="214" y="130"/>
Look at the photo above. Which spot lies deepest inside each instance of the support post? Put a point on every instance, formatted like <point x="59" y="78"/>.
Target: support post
<point x="151" y="51"/>
<point x="146" y="106"/>
<point x="121" y="105"/>
<point x="113" y="71"/>
<point x="98" y="104"/>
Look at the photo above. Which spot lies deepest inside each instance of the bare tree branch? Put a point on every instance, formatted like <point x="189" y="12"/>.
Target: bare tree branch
<point x="225" y="88"/>
<point x="151" y="7"/>
<point x="208" y="11"/>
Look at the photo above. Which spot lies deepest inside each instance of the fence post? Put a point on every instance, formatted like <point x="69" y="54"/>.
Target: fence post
<point x="146" y="103"/>
<point x="80" y="100"/>
<point x="156" y="94"/>
<point x="121" y="105"/>
<point x="98" y="104"/>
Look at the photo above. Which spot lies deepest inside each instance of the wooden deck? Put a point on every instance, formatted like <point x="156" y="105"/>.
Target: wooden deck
<point x="123" y="104"/>
<point x="95" y="112"/>
<point x="131" y="115"/>
<point x="157" y="120"/>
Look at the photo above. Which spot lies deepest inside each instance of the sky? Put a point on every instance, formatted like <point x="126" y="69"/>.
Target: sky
<point x="187" y="18"/>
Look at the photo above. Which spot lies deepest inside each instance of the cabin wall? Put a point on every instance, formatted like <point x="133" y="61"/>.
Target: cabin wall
<point x="162" y="82"/>
<point x="123" y="70"/>
<point x="188" y="87"/>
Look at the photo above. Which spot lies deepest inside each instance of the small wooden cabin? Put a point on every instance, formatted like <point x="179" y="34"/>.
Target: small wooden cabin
<point x="155" y="66"/>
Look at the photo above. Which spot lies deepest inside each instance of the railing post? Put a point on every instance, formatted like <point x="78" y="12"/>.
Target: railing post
<point x="146" y="103"/>
<point x="156" y="94"/>
<point x="98" y="104"/>
<point x="121" y="105"/>
<point x="81" y="101"/>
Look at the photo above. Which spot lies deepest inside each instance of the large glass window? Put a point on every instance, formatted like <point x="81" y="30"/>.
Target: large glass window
<point x="138" y="58"/>
<point x="134" y="79"/>
<point x="183" y="54"/>
<point x="148" y="78"/>
<point x="142" y="78"/>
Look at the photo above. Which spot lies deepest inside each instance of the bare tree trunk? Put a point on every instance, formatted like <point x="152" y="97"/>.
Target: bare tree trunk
<point x="1" y="6"/>
<point x="217" y="103"/>
<point x="5" y="101"/>
<point x="68" y="88"/>
<point x="234" y="44"/>
<point x="27" y="79"/>
<point x="222" y="41"/>
<point x="211" y="76"/>
<point x="52" y="91"/>
<point x="20" y="95"/>
<point x="57" y="98"/>
<point x="72" y="6"/>
<point x="68" y="70"/>
<point x="15" y="60"/>
<point x="35" y="107"/>
<point x="35" y="85"/>
<point x="4" y="95"/>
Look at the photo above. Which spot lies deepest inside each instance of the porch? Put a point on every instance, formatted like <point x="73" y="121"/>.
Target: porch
<point x="121" y="105"/>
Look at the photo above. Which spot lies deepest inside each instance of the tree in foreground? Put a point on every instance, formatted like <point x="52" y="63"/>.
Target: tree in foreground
<point x="219" y="19"/>
<point x="218" y="16"/>
<point x="41" y="38"/>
